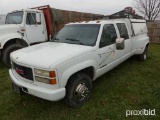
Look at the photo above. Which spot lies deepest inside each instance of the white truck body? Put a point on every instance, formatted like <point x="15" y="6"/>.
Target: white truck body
<point x="21" y="30"/>
<point x="67" y="59"/>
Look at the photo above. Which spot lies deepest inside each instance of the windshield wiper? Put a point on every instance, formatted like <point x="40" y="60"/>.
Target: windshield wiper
<point x="70" y="39"/>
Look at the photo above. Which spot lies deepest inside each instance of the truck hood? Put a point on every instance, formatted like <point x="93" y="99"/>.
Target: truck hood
<point x="9" y="28"/>
<point x="46" y="54"/>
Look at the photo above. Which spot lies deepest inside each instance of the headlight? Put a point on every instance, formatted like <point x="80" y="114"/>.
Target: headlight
<point x="41" y="72"/>
<point x="40" y="79"/>
<point x="44" y="76"/>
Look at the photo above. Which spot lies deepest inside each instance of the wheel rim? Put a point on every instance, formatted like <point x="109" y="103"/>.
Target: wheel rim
<point x="81" y="91"/>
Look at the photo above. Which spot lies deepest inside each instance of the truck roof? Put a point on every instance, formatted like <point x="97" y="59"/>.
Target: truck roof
<point x="109" y="21"/>
<point x="135" y="26"/>
<point x="31" y="10"/>
<point x="35" y="10"/>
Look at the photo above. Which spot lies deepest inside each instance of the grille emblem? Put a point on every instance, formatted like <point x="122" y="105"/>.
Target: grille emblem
<point x="19" y="71"/>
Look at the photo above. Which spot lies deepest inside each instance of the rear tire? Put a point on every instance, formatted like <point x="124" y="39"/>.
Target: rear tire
<point x="143" y="56"/>
<point x="6" y="53"/>
<point x="78" y="90"/>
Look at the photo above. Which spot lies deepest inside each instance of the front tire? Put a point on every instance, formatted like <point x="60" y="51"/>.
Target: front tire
<point x="6" y="53"/>
<point x="78" y="90"/>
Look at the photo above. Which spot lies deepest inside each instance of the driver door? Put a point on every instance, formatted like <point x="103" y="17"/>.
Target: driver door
<point x="35" y="30"/>
<point x="107" y="48"/>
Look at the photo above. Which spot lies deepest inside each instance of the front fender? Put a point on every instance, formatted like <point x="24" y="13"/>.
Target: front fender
<point x="74" y="69"/>
<point x="5" y="38"/>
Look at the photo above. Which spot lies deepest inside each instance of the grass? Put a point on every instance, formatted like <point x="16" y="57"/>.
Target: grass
<point x="133" y="85"/>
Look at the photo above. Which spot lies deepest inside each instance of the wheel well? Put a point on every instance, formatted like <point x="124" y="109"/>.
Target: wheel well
<point x="89" y="71"/>
<point x="16" y="41"/>
<point x="147" y="45"/>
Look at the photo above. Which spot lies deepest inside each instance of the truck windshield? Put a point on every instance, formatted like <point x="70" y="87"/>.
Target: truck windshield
<point x="14" y="18"/>
<point x="83" y="34"/>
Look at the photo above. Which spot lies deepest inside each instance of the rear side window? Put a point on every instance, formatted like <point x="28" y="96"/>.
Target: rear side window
<point x="123" y="30"/>
<point x="108" y="36"/>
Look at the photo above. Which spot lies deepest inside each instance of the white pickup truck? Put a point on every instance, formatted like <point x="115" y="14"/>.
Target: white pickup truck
<point x="80" y="53"/>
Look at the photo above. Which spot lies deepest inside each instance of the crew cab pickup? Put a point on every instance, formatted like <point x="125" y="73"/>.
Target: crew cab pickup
<point x="80" y="53"/>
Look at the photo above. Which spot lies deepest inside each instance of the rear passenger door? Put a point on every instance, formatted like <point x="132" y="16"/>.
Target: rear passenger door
<point x="123" y="33"/>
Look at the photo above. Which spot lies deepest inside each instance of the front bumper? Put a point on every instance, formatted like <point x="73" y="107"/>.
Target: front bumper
<point x="48" y="94"/>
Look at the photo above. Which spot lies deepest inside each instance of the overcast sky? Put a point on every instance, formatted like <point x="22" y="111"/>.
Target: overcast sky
<point x="105" y="7"/>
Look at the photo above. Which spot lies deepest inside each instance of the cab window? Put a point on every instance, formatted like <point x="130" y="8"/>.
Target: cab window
<point x="108" y="36"/>
<point x="123" y="30"/>
<point x="31" y="19"/>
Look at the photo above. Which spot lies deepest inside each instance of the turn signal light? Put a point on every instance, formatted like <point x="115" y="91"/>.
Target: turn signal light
<point x="52" y="74"/>
<point x="53" y="81"/>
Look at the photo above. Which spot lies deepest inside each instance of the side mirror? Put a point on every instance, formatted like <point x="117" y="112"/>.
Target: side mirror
<point x="38" y="18"/>
<point x="120" y="43"/>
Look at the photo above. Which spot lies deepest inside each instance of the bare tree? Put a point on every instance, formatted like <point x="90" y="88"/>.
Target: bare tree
<point x="149" y="8"/>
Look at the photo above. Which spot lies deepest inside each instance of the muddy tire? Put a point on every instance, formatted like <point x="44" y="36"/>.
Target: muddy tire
<point x="6" y="53"/>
